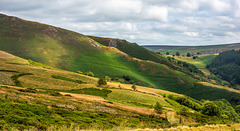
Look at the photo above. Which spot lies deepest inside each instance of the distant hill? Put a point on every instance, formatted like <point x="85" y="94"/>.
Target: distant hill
<point x="209" y="49"/>
<point x="227" y="66"/>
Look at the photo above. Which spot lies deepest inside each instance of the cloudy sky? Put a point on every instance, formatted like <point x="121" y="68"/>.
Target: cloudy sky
<point x="162" y="22"/>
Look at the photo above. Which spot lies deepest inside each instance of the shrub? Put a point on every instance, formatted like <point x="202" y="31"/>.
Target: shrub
<point x="67" y="79"/>
<point x="127" y="77"/>
<point x="237" y="109"/>
<point x="30" y="90"/>
<point x="15" y="78"/>
<point x="89" y="73"/>
<point x="134" y="87"/>
<point x="158" y="108"/>
<point x="102" y="81"/>
<point x="211" y="109"/>
<point x="108" y="78"/>
<point x="79" y="72"/>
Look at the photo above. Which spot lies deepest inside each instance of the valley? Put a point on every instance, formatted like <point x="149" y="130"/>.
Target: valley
<point x="50" y="80"/>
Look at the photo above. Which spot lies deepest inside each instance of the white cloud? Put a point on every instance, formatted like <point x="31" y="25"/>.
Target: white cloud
<point x="182" y="22"/>
<point x="194" y="34"/>
<point x="156" y="13"/>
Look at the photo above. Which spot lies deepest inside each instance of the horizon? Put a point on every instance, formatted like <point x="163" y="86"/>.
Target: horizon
<point x="176" y="23"/>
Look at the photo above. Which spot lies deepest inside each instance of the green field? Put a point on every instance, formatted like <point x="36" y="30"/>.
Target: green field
<point x="201" y="62"/>
<point x="135" y="99"/>
<point x="63" y="49"/>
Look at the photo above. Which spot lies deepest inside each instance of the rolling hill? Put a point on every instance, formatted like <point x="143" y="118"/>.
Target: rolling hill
<point x="67" y="50"/>
<point x="39" y="97"/>
<point x="208" y="49"/>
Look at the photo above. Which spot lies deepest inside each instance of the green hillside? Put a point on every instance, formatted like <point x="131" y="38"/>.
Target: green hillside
<point x="71" y="51"/>
<point x="67" y="50"/>
<point x="35" y="96"/>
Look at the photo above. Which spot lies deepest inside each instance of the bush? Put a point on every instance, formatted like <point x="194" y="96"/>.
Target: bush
<point x="158" y="108"/>
<point x="79" y="72"/>
<point x="102" y="81"/>
<point x="89" y="73"/>
<point x="186" y="101"/>
<point x="211" y="109"/>
<point x="134" y="87"/>
<point x="67" y="79"/>
<point x="237" y="109"/>
<point x="127" y="77"/>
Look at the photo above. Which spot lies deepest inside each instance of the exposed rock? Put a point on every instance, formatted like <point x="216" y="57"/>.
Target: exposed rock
<point x="112" y="43"/>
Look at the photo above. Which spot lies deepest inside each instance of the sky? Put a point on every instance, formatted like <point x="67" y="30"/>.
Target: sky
<point x="146" y="22"/>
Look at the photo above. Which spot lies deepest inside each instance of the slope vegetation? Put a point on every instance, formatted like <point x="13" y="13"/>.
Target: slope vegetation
<point x="39" y="97"/>
<point x="63" y="49"/>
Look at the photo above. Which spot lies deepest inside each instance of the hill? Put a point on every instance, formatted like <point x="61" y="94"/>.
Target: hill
<point x="39" y="97"/>
<point x="127" y="63"/>
<point x="208" y="49"/>
<point x="227" y="66"/>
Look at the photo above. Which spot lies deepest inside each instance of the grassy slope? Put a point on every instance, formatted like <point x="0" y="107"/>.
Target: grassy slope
<point x="80" y="109"/>
<point x="64" y="49"/>
<point x="68" y="50"/>
<point x="201" y="62"/>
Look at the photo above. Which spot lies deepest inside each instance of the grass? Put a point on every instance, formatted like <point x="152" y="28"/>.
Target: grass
<point x="201" y="62"/>
<point x="41" y="89"/>
<point x="91" y="91"/>
<point x="135" y="98"/>
<point x="59" y="48"/>
<point x="67" y="79"/>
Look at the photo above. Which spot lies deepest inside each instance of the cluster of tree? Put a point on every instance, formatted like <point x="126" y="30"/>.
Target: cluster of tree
<point x="89" y="73"/>
<point x="190" y="67"/>
<point x="220" y="108"/>
<point x="178" y="54"/>
<point x="227" y="66"/>
<point x="186" y="101"/>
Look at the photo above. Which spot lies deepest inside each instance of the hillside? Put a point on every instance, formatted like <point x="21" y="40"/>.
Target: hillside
<point x="209" y="49"/>
<point x="127" y="63"/>
<point x="32" y="97"/>
<point x="227" y="66"/>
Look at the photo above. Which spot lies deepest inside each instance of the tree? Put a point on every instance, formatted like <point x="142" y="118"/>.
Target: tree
<point x="158" y="108"/>
<point x="211" y="109"/>
<point x="177" y="54"/>
<point x="195" y="57"/>
<point x="188" y="54"/>
<point x="134" y="87"/>
<point x="127" y="77"/>
<point x="237" y="109"/>
<point x="102" y="81"/>
<point x="108" y="78"/>
<point x="167" y="53"/>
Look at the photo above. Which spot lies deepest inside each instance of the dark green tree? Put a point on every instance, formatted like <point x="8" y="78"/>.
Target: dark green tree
<point x="102" y="81"/>
<point x="177" y="54"/>
<point x="188" y="54"/>
<point x="211" y="109"/>
<point x="167" y="53"/>
<point x="237" y="109"/>
<point x="158" y="108"/>
<point x="134" y="87"/>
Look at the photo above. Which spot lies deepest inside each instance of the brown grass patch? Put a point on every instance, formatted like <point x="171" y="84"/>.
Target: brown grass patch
<point x="84" y="97"/>
<point x="5" y="55"/>
<point x="221" y="87"/>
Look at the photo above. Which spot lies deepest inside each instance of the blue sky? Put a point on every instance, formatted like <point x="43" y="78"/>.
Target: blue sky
<point x="146" y="22"/>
